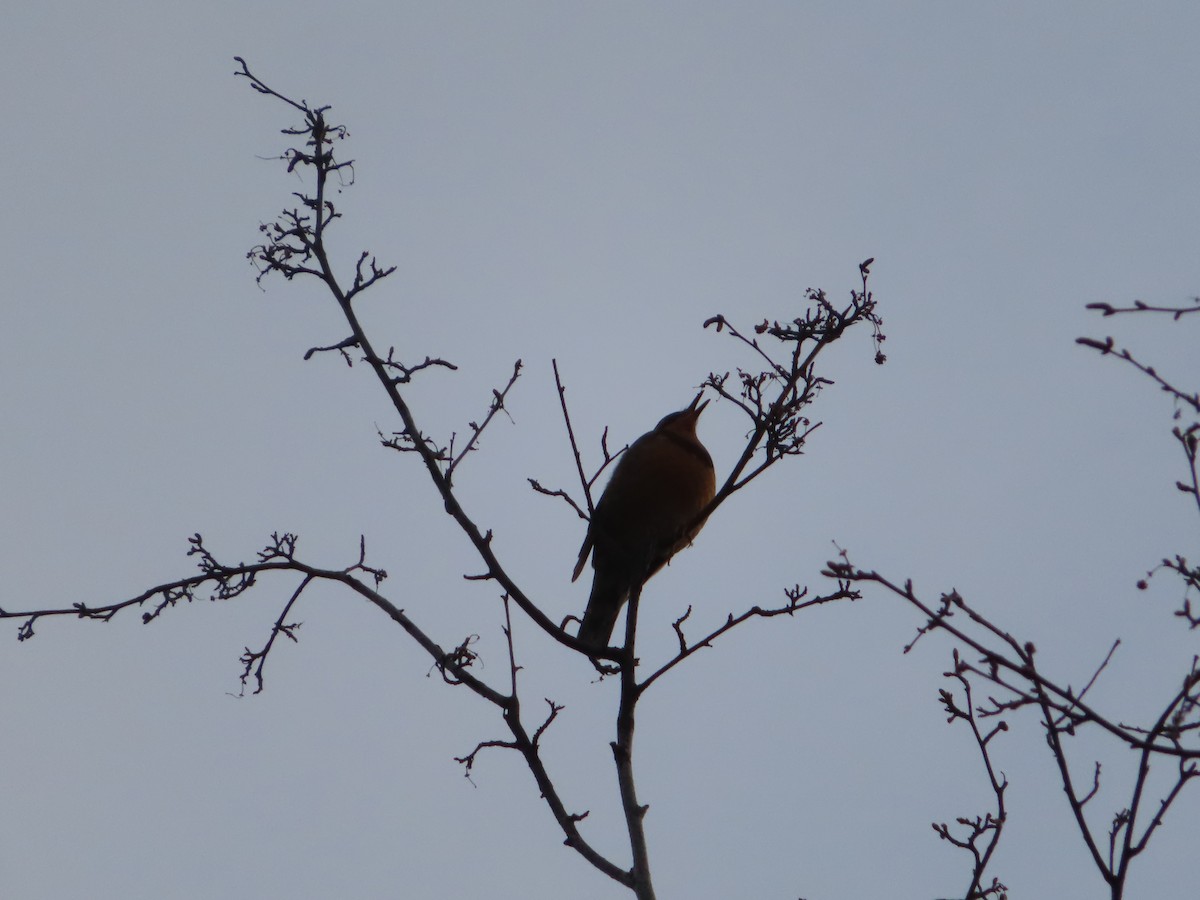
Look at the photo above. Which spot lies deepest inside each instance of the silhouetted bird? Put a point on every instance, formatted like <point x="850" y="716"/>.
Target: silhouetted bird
<point x="647" y="513"/>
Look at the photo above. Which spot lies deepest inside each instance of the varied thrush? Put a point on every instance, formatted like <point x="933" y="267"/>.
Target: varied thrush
<point x="648" y="512"/>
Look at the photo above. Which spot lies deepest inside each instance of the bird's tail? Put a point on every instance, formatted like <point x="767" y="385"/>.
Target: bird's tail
<point x="609" y="593"/>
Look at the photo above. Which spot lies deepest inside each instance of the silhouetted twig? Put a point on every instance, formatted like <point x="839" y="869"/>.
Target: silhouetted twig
<point x="982" y="832"/>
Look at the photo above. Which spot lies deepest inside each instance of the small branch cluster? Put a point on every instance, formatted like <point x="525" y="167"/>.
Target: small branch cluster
<point x="775" y="397"/>
<point x="1003" y="661"/>
<point x="224" y="583"/>
<point x="1186" y="434"/>
<point x="405" y="373"/>
<point x="981" y="834"/>
<point x="448" y="457"/>
<point x="281" y="552"/>
<point x="293" y="244"/>
<point x="254" y="661"/>
<point x="1011" y="665"/>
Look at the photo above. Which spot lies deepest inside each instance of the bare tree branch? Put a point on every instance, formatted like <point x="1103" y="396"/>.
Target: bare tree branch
<point x="983" y="830"/>
<point x="1138" y="307"/>
<point x="796" y="602"/>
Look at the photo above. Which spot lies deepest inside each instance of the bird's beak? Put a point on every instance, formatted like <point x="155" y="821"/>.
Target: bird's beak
<point x="697" y="407"/>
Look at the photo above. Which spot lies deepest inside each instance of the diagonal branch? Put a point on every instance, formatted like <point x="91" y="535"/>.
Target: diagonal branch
<point x="1108" y="346"/>
<point x="288" y="630"/>
<point x="795" y="604"/>
<point x="303" y="237"/>
<point x="1059" y="699"/>
<point x="496" y="405"/>
<point x="775" y="398"/>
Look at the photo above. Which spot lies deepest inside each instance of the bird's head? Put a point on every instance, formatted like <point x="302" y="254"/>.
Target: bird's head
<point x="683" y="421"/>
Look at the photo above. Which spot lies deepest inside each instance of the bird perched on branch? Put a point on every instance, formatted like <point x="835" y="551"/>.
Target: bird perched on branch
<point x="649" y="511"/>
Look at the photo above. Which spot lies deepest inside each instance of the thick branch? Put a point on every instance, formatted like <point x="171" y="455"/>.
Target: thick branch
<point x="622" y="748"/>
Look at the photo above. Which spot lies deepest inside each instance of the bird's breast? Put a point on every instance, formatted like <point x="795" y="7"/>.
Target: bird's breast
<point x="657" y="490"/>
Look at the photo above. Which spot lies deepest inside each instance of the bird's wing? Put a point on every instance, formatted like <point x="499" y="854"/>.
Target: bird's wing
<point x="584" y="552"/>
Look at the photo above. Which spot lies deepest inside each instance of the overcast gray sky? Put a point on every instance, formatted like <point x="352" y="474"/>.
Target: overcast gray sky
<point x="587" y="182"/>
